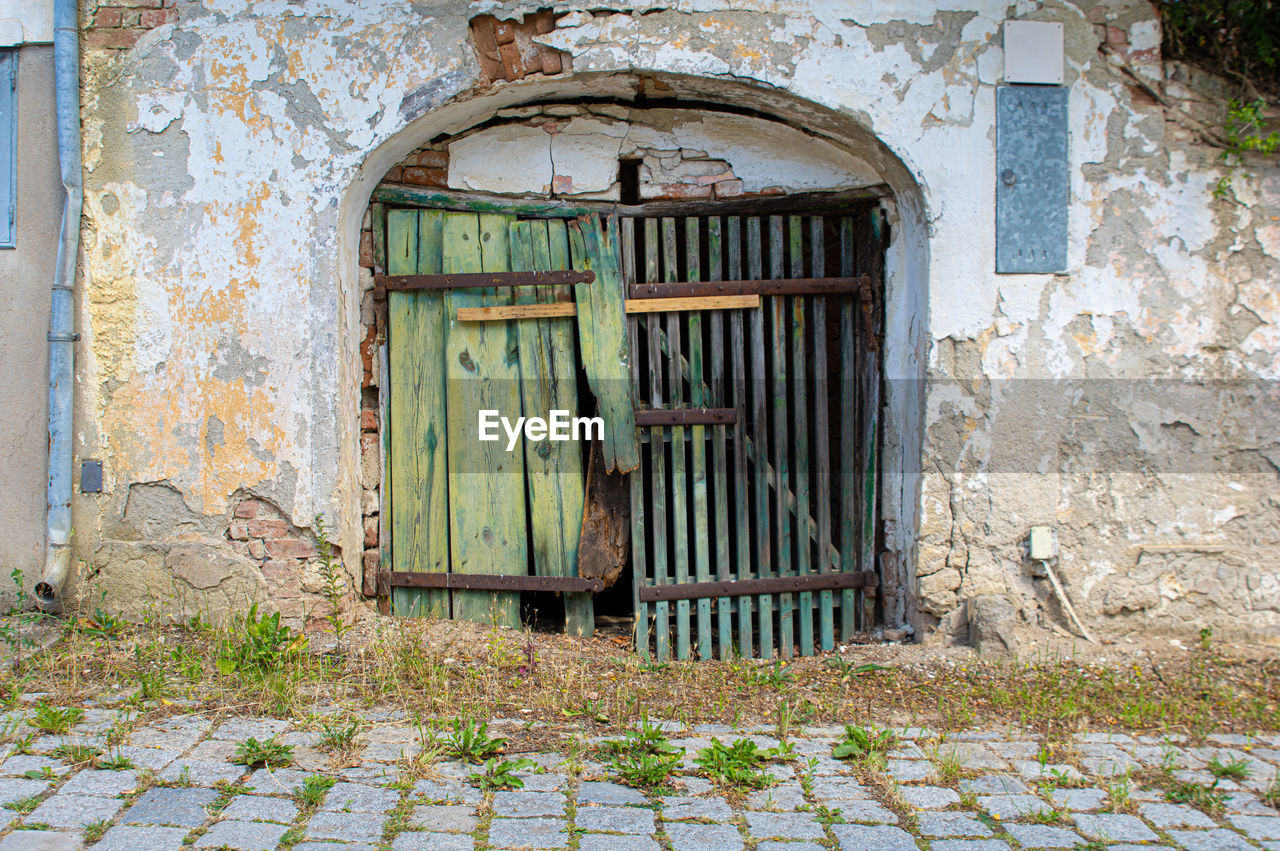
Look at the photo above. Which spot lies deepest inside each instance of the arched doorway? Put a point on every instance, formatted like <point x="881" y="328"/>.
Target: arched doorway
<point x="709" y="507"/>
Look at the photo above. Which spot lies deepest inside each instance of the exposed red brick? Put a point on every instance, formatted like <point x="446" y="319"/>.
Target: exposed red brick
<point x="368" y="420"/>
<point x="680" y="190"/>
<point x="241" y="547"/>
<point x="106" y="18"/>
<point x="130" y="18"/>
<point x="111" y="39"/>
<point x="257" y="549"/>
<point x="368" y="349"/>
<point x="561" y="183"/>
<point x="395" y="174"/>
<point x="248" y="509"/>
<point x="159" y="17"/>
<point x="371" y="531"/>
<point x="370" y="571"/>
<point x="239" y="530"/>
<point x="366" y="249"/>
<point x="1117" y="37"/>
<point x="713" y="178"/>
<point x="269" y="527"/>
<point x="728" y="189"/>
<point x="419" y="176"/>
<point x="279" y="548"/>
<point x="430" y="159"/>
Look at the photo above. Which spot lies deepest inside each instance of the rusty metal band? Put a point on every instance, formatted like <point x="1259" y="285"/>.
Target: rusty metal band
<point x="651" y="417"/>
<point x="462" y="280"/>
<point x="779" y="286"/>
<point x="492" y="582"/>
<point x="744" y="587"/>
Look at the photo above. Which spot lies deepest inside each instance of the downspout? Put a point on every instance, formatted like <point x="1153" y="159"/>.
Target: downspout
<point x="62" y="336"/>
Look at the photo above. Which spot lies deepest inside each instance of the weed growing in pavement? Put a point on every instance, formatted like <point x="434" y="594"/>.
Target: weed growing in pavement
<point x="866" y="746"/>
<point x="950" y="768"/>
<point x="1271" y="795"/>
<point x="1119" y="795"/>
<point x="11" y="633"/>
<point x="44" y="772"/>
<point x="94" y="830"/>
<point x="338" y="736"/>
<point x="501" y="775"/>
<point x="258" y="645"/>
<point x="75" y="754"/>
<point x="24" y="806"/>
<point x="470" y="741"/>
<point x="738" y="765"/>
<point x="334" y="575"/>
<point x="271" y="753"/>
<point x="312" y="791"/>
<point x="116" y="762"/>
<point x="1206" y="797"/>
<point x="1235" y="769"/>
<point x="55" y="719"/>
<point x="774" y="675"/>
<point x="644" y="758"/>
<point x="851" y="670"/>
<point x="1048" y="815"/>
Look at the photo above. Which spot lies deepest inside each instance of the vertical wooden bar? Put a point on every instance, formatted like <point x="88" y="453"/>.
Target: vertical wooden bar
<point x="821" y="436"/>
<point x="800" y="442"/>
<point x="639" y="562"/>
<point x="378" y="213"/>
<point x="419" y="465"/>
<point x="721" y="559"/>
<point x="869" y="383"/>
<point x="486" y="483"/>
<point x="679" y="498"/>
<point x="850" y="500"/>
<point x="760" y="427"/>
<point x="781" y="433"/>
<point x="698" y="444"/>
<point x="742" y="504"/>
<point x="657" y="451"/>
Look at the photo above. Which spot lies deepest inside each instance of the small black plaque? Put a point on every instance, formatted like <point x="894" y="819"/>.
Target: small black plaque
<point x="91" y="476"/>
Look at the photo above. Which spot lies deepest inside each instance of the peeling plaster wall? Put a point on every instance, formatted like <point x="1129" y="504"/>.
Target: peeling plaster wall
<point x="230" y="159"/>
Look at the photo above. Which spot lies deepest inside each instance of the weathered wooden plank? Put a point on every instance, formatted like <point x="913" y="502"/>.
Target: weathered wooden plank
<point x="418" y="460"/>
<point x="816" y="285"/>
<point x="378" y="214"/>
<point x="657" y="472"/>
<point x="606" y="523"/>
<point x="468" y="280"/>
<point x="516" y="311"/>
<point x="486" y="483"/>
<point x="670" y="305"/>
<point x="760" y="426"/>
<point x="869" y="252"/>
<point x="821" y="436"/>
<point x="800" y="428"/>
<point x="602" y="336"/>
<point x="721" y="556"/>
<point x="639" y="551"/>
<point x="679" y="518"/>
<point x="780" y="385"/>
<point x="850" y="499"/>
<point x="553" y="470"/>
<point x="698" y="443"/>
<point x="741" y="484"/>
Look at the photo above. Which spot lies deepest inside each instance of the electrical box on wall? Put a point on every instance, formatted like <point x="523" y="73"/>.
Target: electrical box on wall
<point x="1033" y="52"/>
<point x="1032" y="179"/>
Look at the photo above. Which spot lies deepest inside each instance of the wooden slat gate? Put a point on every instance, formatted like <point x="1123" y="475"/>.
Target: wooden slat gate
<point x="734" y="361"/>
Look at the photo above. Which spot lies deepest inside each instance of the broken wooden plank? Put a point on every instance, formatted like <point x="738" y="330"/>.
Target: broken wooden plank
<point x="606" y="523"/>
<point x="667" y="305"/>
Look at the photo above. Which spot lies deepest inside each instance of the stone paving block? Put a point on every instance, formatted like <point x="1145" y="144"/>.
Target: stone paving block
<point x="693" y="786"/>
<point x="63" y="810"/>
<point x="1031" y="769"/>
<point x="175" y="807"/>
<point x="19" y="764"/>
<point x="1114" y="827"/>
<point x="359" y="798"/>
<point x="1011" y="807"/>
<point x="239" y="729"/>
<point x="633" y="820"/>
<point x="951" y="824"/>
<point x="784" y="826"/>
<point x="1105" y="766"/>
<point x="454" y="818"/>
<point x="448" y="789"/>
<point x="929" y="797"/>
<point x="178" y="733"/>
<point x="132" y="838"/>
<point x="534" y="833"/>
<point x="906" y="750"/>
<point x="856" y="837"/>
<point x="911" y="770"/>
<point x="278" y="781"/>
<point x="597" y="792"/>
<point x="432" y="842"/>
<point x="1174" y="815"/>
<point x="243" y="836"/>
<point x="101" y="784"/>
<point x="770" y="845"/>
<point x="1220" y="839"/>
<point x="213" y="750"/>
<point x="549" y="781"/>
<point x="1078" y="799"/>
<point x="971" y="755"/>
<point x="1103" y="738"/>
<point x="201" y="772"/>
<point x="1043" y="836"/>
<point x="1016" y="750"/>
<point x="350" y="827"/>
<point x="41" y="840"/>
<point x="18" y="790"/>
<point x="156" y="759"/>
<point x="704" y="837"/>
<point x="995" y="784"/>
<point x="679" y="809"/>
<point x="1257" y="827"/>
<point x="968" y="845"/>
<point x="870" y="812"/>
<point x="776" y="799"/>
<point x="838" y="788"/>
<point x="260" y="808"/>
<point x="604" y="842"/>
<point x="334" y="846"/>
<point x="522" y="804"/>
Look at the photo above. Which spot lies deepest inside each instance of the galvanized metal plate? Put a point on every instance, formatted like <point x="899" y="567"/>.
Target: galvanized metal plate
<point x="1032" y="179"/>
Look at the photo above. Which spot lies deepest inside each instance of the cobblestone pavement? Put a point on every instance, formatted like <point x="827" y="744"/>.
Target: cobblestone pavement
<point x="173" y="784"/>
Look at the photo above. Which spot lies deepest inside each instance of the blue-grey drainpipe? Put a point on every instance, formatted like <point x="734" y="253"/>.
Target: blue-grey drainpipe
<point x="62" y="336"/>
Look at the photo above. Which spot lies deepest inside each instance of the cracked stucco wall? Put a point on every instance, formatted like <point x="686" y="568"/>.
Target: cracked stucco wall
<point x="229" y="163"/>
